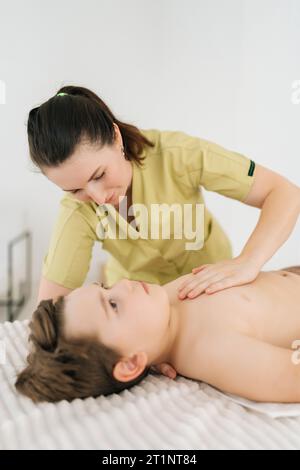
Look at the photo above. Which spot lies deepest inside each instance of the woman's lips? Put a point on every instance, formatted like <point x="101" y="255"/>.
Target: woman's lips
<point x="111" y="198"/>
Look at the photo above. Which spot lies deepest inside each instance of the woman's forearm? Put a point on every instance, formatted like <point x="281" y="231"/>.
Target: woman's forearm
<point x="278" y="217"/>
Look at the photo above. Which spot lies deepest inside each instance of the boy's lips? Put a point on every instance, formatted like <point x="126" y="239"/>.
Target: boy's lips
<point x="145" y="287"/>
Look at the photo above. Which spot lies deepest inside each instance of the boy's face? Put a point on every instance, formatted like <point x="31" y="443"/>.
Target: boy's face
<point x="124" y="317"/>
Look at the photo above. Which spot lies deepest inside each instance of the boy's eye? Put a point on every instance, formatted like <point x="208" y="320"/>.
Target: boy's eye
<point x="113" y="304"/>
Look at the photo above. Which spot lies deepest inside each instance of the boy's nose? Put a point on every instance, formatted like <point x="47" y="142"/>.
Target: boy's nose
<point x="128" y="284"/>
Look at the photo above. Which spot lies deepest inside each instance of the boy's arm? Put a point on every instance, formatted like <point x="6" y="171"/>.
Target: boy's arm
<point x="253" y="369"/>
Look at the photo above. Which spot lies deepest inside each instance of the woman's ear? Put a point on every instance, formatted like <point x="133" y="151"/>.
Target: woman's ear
<point x="118" y="138"/>
<point x="129" y="368"/>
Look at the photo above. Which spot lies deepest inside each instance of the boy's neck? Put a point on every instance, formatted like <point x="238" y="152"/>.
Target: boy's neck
<point x="169" y="348"/>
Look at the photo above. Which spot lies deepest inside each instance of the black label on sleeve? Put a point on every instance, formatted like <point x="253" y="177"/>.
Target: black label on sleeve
<point x="251" y="168"/>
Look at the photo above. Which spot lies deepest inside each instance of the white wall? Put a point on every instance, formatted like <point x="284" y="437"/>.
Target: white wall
<point x="222" y="70"/>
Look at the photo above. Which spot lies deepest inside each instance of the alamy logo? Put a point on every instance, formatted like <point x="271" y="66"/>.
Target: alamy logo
<point x="162" y="221"/>
<point x="296" y="354"/>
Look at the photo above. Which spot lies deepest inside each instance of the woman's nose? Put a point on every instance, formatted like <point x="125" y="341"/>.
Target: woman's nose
<point x="96" y="195"/>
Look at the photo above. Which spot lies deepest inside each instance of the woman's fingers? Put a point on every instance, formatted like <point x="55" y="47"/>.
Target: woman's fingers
<point x="195" y="278"/>
<point x="210" y="287"/>
<point x="166" y="369"/>
<point x="199" y="284"/>
<point x="199" y="268"/>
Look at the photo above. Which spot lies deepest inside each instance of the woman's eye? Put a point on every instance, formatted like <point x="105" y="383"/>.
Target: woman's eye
<point x="95" y="179"/>
<point x="99" y="177"/>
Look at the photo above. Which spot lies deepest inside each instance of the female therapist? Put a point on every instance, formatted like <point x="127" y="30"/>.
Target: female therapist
<point x="79" y="145"/>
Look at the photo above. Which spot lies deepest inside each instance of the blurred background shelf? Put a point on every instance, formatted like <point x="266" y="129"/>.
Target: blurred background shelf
<point x="18" y="277"/>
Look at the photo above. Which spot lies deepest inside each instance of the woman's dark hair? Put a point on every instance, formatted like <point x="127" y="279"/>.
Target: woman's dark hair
<point x="63" y="369"/>
<point x="57" y="126"/>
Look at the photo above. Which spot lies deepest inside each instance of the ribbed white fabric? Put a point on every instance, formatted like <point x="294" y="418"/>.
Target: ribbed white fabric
<point x="157" y="414"/>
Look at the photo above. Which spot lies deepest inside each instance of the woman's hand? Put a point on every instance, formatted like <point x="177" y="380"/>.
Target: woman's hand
<point x="212" y="278"/>
<point x="165" y="369"/>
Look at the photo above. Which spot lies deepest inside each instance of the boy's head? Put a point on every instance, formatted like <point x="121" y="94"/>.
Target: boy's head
<point x="94" y="341"/>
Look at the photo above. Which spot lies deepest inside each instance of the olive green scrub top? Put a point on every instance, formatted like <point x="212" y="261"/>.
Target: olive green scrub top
<point x="173" y="172"/>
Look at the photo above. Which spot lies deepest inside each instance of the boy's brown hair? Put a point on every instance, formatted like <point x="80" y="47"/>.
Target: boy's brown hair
<point x="61" y="369"/>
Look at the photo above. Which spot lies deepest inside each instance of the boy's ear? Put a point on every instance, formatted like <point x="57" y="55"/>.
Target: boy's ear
<point x="129" y="368"/>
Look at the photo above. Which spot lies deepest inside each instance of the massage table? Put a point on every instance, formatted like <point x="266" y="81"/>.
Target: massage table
<point x="158" y="413"/>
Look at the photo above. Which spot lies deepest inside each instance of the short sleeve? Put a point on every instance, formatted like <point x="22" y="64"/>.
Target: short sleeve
<point x="199" y="162"/>
<point x="226" y="172"/>
<point x="67" y="261"/>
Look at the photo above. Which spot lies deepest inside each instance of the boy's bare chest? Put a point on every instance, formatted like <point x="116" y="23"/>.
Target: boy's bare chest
<point x="268" y="309"/>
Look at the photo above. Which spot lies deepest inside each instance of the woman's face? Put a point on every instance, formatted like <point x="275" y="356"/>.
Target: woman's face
<point x="111" y="173"/>
<point x="124" y="317"/>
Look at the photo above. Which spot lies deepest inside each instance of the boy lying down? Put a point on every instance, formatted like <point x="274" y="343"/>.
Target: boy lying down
<point x="96" y="341"/>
